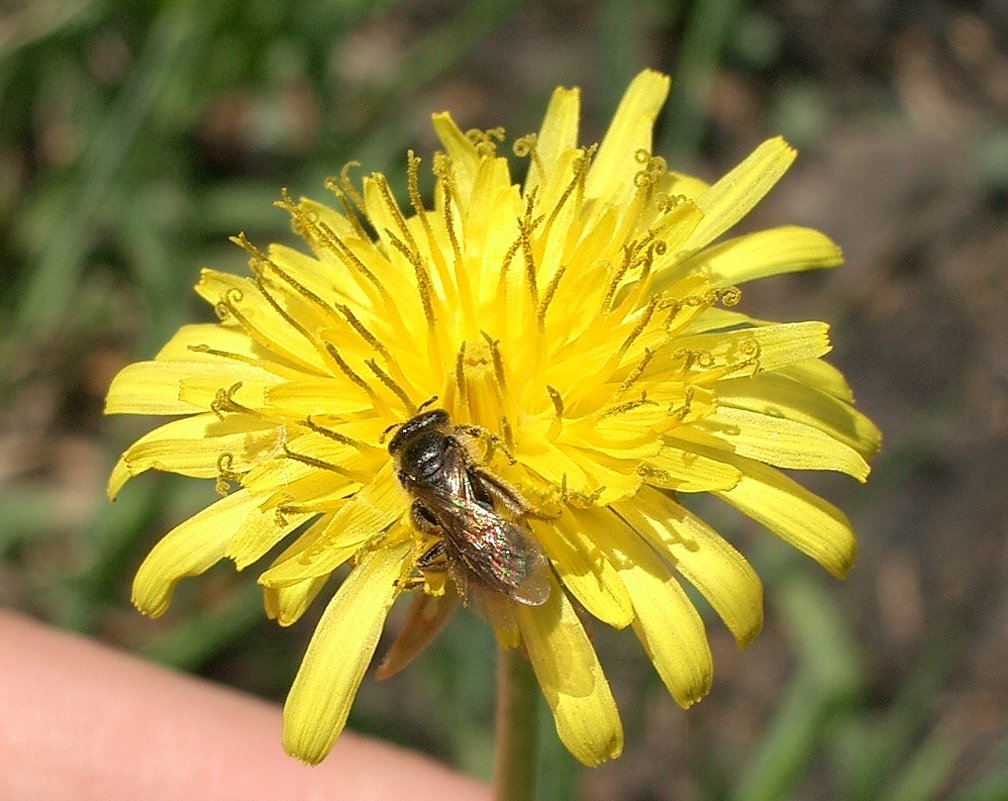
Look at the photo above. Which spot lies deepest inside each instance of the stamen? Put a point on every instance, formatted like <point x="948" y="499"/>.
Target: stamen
<point x="658" y="248"/>
<point x="413" y="186"/>
<point x="730" y="295"/>
<point x="667" y="203"/>
<point x="335" y="436"/>
<point x="393" y="208"/>
<point x="702" y="302"/>
<point x="286" y="510"/>
<point x="626" y="406"/>
<point x="243" y="242"/>
<point x="346" y="188"/>
<point x="390" y="382"/>
<point x="225" y="474"/>
<point x="506" y="262"/>
<point x="492" y="440"/>
<point x="485" y="141"/>
<point x="525" y="146"/>
<point x="224" y="354"/>
<point x="498" y="361"/>
<point x="349" y="373"/>
<point x="656" y="475"/>
<point x="681" y="412"/>
<point x="460" y="379"/>
<point x="311" y="461"/>
<point x="581" y="165"/>
<point x="556" y="425"/>
<point x="349" y="210"/>
<point x="526" y="225"/>
<point x="638" y="329"/>
<point x="557" y="399"/>
<point x="752" y="350"/>
<point x="448" y="192"/>
<point x="653" y="168"/>
<point x="366" y="335"/>
<point x="322" y="233"/>
<point x="266" y="263"/>
<point x="580" y="499"/>
<point x="508" y="434"/>
<point x="550" y="292"/>
<point x="288" y="318"/>
<point x="610" y="295"/>
<point x="224" y="402"/>
<point x="637" y="372"/>
<point x="416" y="201"/>
<point x="227" y="306"/>
<point x="703" y="359"/>
<point x="460" y="284"/>
<point x="422" y="279"/>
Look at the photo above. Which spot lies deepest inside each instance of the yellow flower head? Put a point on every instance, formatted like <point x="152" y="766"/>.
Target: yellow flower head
<point x="576" y="331"/>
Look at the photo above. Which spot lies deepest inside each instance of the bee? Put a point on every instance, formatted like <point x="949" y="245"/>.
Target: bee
<point x="456" y="499"/>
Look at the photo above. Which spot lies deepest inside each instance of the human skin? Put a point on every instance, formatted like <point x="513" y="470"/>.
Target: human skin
<point x="82" y="721"/>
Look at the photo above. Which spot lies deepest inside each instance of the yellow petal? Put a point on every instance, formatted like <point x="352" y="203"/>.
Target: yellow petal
<point x="667" y="624"/>
<point x="368" y="512"/>
<point x="585" y="570"/>
<point x="682" y="469"/>
<point x="188" y="550"/>
<point x="557" y="135"/>
<point x="703" y="557"/>
<point x="194" y="446"/>
<point x="779" y="345"/>
<point x="611" y="175"/>
<point x="805" y="401"/>
<point x="260" y="531"/>
<point x="821" y="375"/>
<point x="285" y="605"/>
<point x="732" y="197"/>
<point x="257" y="307"/>
<point x="463" y="154"/>
<point x="244" y="384"/>
<point x="797" y="516"/>
<point x="339" y="652"/>
<point x="571" y="679"/>
<point x="208" y="342"/>
<point x="181" y="387"/>
<point x="148" y="388"/>
<point x="316" y="397"/>
<point x="762" y="254"/>
<point x="783" y="442"/>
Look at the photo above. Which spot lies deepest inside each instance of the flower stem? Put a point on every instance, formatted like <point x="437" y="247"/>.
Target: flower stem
<point x="515" y="746"/>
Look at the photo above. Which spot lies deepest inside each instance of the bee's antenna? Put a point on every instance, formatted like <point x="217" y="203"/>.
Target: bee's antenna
<point x="381" y="439"/>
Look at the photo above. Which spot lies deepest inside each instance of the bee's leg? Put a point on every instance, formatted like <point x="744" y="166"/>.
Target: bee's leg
<point x="434" y="558"/>
<point x="505" y="495"/>
<point x="423" y="519"/>
<point x="493" y="441"/>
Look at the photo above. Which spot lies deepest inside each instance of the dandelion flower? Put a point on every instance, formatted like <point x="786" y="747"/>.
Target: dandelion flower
<point x="579" y="330"/>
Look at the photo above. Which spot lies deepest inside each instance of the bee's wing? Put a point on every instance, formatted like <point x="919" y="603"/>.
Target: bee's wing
<point x="498" y="554"/>
<point x="494" y="552"/>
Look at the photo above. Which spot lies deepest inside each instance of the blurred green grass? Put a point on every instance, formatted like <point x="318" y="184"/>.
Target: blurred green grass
<point x="138" y="137"/>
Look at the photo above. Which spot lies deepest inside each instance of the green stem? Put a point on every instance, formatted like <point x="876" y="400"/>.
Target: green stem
<point x="515" y="746"/>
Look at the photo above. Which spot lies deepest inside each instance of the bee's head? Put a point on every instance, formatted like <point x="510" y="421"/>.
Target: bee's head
<point x="419" y="445"/>
<point x="433" y="421"/>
